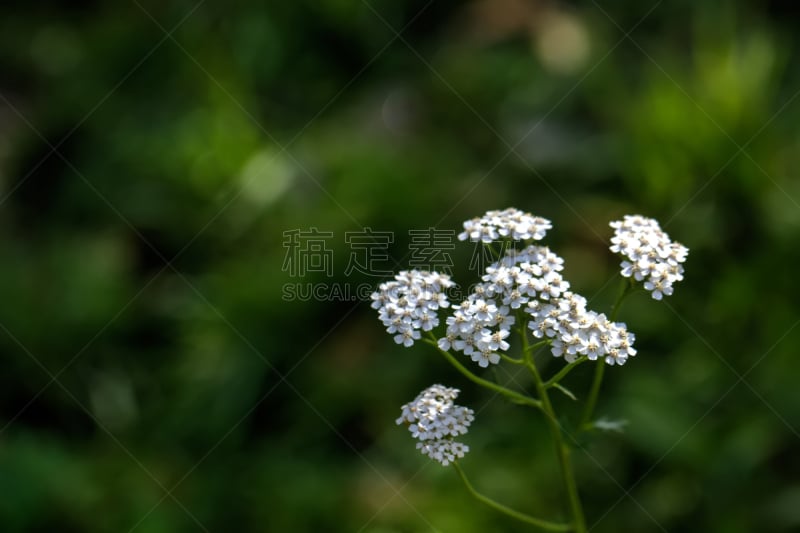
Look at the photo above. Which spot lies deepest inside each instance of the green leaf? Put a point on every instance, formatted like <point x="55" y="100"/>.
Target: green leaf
<point x="566" y="391"/>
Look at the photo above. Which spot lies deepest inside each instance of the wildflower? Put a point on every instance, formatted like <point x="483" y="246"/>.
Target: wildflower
<point x="434" y="420"/>
<point x="480" y="325"/>
<point x="410" y="303"/>
<point x="650" y="255"/>
<point x="576" y="331"/>
<point x="508" y="223"/>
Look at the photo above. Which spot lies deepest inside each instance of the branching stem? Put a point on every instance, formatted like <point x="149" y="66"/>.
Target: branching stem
<point x="538" y="522"/>
<point x="510" y="394"/>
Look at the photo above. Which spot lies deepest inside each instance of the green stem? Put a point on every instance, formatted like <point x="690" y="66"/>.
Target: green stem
<point x="563" y="372"/>
<point x="512" y="360"/>
<point x="627" y="288"/>
<point x="594" y="392"/>
<point x="534" y="346"/>
<point x="512" y="395"/>
<point x="586" y="420"/>
<point x="538" y="522"/>
<point x="579" y="523"/>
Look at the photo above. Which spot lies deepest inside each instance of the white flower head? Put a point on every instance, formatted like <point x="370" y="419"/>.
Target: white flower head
<point x="434" y="419"/>
<point x="480" y="326"/>
<point x="509" y="223"/>
<point x="649" y="254"/>
<point x="410" y="303"/>
<point x="576" y="331"/>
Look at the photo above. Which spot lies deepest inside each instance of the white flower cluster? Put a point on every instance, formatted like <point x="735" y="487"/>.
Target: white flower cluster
<point x="508" y="223"/>
<point x="434" y="419"/>
<point x="480" y="325"/>
<point x="410" y="303"/>
<point x="531" y="279"/>
<point x="577" y="331"/>
<point x="650" y="254"/>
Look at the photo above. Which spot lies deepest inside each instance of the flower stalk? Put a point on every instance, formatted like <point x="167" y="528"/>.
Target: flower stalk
<point x="547" y="525"/>
<point x="514" y="396"/>
<point x="594" y="392"/>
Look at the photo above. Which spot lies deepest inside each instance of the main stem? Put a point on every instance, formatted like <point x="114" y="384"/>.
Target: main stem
<point x="562" y="451"/>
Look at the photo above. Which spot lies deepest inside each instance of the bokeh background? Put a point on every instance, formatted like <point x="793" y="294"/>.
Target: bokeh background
<point x="154" y="155"/>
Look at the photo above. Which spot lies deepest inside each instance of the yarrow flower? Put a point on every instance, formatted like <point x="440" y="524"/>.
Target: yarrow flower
<point x="480" y="325"/>
<point x="577" y="331"/>
<point x="650" y="255"/>
<point x="434" y="420"/>
<point x="410" y="303"/>
<point x="530" y="279"/>
<point x="508" y="223"/>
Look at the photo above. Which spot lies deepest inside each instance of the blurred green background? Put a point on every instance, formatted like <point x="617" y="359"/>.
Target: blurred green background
<point x="152" y="155"/>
